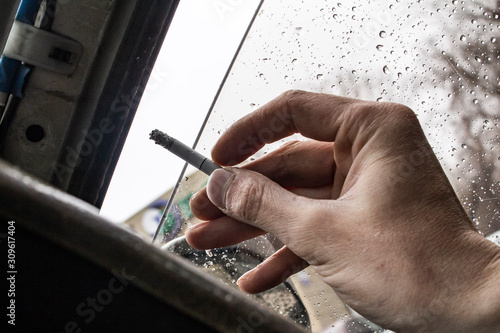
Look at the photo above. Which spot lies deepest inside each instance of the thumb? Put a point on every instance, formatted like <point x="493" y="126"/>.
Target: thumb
<point x="256" y="200"/>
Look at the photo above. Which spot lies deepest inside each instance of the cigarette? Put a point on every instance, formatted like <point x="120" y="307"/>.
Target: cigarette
<point x="186" y="153"/>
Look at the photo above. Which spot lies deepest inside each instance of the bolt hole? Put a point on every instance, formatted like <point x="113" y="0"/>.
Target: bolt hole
<point x="35" y="133"/>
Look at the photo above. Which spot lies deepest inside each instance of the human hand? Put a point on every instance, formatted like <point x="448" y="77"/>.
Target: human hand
<point x="366" y="204"/>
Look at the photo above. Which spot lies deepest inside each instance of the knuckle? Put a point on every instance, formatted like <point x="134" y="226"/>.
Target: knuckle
<point x="400" y="112"/>
<point x="294" y="99"/>
<point x="248" y="203"/>
<point x="383" y="113"/>
<point x="199" y="202"/>
<point x="290" y="145"/>
<point x="286" y="157"/>
<point x="294" y="94"/>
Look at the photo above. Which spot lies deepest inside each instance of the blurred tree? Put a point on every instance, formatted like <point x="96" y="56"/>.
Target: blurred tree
<point x="472" y="70"/>
<point x="463" y="57"/>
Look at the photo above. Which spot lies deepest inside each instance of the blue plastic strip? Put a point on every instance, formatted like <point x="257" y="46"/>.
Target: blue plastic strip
<point x="28" y="9"/>
<point x="18" y="84"/>
<point x="12" y="74"/>
<point x="8" y="71"/>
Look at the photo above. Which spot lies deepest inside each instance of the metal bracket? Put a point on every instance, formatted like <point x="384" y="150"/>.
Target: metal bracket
<point x="43" y="48"/>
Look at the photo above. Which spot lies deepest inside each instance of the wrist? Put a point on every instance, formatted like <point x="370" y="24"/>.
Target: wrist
<point x="483" y="310"/>
<point x="474" y="301"/>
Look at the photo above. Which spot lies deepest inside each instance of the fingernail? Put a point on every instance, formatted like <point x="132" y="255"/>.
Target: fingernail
<point x="193" y="227"/>
<point x="197" y="201"/>
<point x="217" y="187"/>
<point x="243" y="278"/>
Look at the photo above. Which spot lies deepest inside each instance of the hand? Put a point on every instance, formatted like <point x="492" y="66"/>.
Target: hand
<point x="365" y="202"/>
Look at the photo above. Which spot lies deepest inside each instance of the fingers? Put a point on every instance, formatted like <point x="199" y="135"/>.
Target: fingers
<point x="202" y="208"/>
<point x="307" y="167"/>
<point x="276" y="269"/>
<point x="298" y="163"/>
<point x="255" y="200"/>
<point x="205" y="210"/>
<point x="221" y="232"/>
<point x="319" y="192"/>
<point x="316" y="116"/>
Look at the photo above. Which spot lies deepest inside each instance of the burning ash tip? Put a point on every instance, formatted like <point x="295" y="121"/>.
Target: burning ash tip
<point x="161" y="138"/>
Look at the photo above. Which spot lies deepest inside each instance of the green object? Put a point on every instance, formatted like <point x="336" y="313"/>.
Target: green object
<point x="169" y="224"/>
<point x="184" y="208"/>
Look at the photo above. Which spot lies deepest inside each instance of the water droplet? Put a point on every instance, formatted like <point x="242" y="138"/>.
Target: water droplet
<point x="382" y="34"/>
<point x="380" y="47"/>
<point x="463" y="38"/>
<point x="493" y="39"/>
<point x="475" y="101"/>
<point x="386" y="69"/>
<point x="478" y="59"/>
<point x="319" y="76"/>
<point x="464" y="146"/>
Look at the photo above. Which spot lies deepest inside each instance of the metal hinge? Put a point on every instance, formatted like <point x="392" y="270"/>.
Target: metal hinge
<point x="43" y="48"/>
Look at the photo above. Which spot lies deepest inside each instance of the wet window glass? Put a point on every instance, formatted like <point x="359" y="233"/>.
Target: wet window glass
<point x="441" y="58"/>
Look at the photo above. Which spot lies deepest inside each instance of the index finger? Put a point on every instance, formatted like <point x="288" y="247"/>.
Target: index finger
<point x="316" y="116"/>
